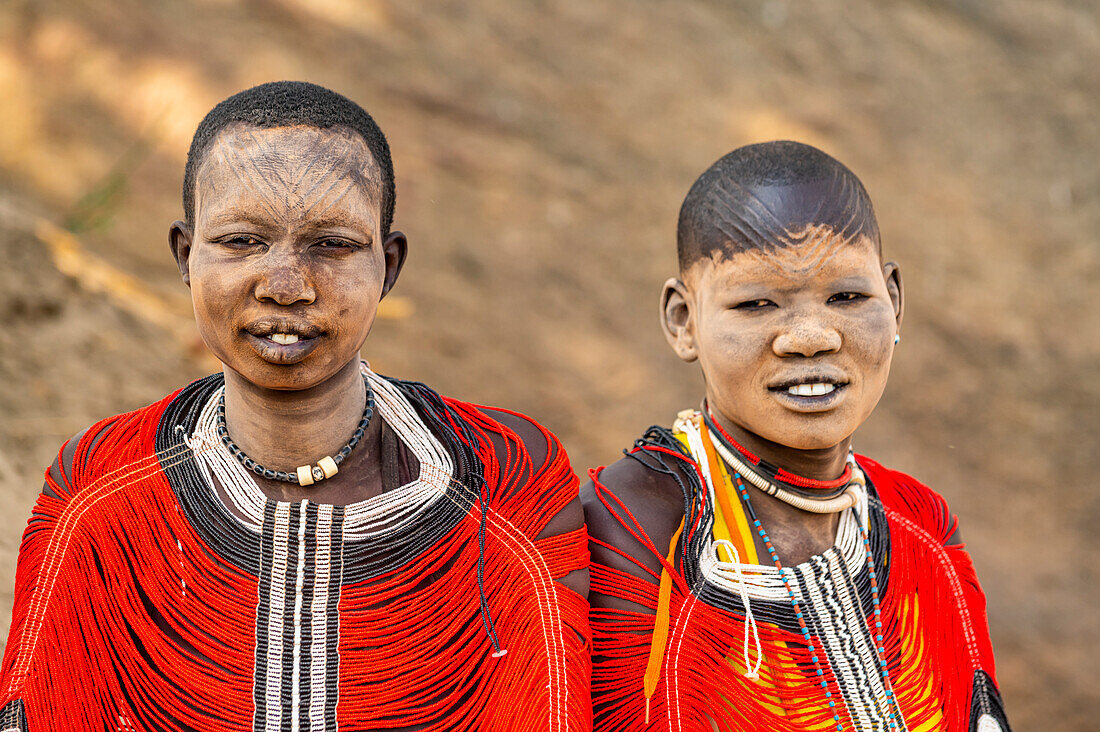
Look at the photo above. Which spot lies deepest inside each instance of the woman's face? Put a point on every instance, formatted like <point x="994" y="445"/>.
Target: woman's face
<point x="285" y="259"/>
<point x="795" y="343"/>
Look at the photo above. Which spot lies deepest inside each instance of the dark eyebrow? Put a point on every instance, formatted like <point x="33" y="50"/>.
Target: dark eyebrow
<point x="342" y="222"/>
<point x="246" y="216"/>
<point x="851" y="282"/>
<point x="239" y="215"/>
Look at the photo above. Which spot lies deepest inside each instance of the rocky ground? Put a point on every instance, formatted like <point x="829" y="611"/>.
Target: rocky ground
<point x="542" y="150"/>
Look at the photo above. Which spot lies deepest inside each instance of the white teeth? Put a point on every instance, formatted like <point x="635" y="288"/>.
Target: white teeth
<point x="284" y="339"/>
<point x="810" y="389"/>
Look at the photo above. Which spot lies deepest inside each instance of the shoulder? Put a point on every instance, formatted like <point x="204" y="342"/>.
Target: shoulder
<point x="637" y="486"/>
<point x="496" y="428"/>
<point x="533" y="455"/>
<point x="548" y="469"/>
<point x="631" y="508"/>
<point x="538" y="441"/>
<point x="906" y="496"/>
<point x="525" y="450"/>
<point x="505" y="427"/>
<point x="106" y="447"/>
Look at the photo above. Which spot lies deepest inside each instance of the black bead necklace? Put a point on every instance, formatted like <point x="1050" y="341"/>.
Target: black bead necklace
<point x="326" y="467"/>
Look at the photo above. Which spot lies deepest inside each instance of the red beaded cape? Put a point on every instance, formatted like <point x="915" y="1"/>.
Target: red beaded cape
<point x="935" y="634"/>
<point x="142" y="604"/>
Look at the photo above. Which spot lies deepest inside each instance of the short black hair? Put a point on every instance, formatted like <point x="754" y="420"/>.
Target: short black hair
<point x="285" y="104"/>
<point x="727" y="209"/>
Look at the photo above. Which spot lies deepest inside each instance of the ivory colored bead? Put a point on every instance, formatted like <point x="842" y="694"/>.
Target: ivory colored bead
<point x="328" y="466"/>
<point x="305" y="475"/>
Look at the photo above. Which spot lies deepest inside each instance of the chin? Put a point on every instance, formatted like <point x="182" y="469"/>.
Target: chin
<point x="277" y="377"/>
<point x="811" y="442"/>
<point x="809" y="437"/>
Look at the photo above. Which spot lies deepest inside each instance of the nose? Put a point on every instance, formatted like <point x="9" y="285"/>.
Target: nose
<point x="285" y="282"/>
<point x="807" y="336"/>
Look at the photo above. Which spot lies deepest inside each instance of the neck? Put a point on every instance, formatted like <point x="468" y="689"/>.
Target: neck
<point x="796" y="535"/>
<point x="822" y="464"/>
<point x="284" y="429"/>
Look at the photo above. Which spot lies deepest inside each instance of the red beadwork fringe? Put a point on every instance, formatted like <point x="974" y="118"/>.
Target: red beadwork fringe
<point x="701" y="685"/>
<point x="110" y="569"/>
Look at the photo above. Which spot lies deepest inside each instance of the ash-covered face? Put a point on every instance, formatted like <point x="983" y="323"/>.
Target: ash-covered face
<point x="285" y="260"/>
<point x="795" y="342"/>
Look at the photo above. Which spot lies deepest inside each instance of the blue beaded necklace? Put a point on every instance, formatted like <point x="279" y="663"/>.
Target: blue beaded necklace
<point x="880" y="650"/>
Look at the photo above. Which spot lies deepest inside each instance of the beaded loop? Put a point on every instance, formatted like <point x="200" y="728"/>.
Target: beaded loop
<point x="292" y="477"/>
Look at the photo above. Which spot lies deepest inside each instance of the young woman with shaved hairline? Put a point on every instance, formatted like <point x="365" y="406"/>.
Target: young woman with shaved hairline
<point x="749" y="571"/>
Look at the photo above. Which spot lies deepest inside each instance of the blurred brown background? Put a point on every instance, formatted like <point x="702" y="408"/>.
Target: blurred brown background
<point x="542" y="150"/>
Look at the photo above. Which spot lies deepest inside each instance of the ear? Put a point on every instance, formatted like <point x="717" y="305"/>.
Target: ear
<point x="677" y="320"/>
<point x="394" y="249"/>
<point x="892" y="273"/>
<point x="179" y="241"/>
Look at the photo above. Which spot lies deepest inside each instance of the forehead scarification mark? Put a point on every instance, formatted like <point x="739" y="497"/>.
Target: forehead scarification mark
<point x="349" y="186"/>
<point x="324" y="167"/>
<point x="807" y="252"/>
<point x="816" y="246"/>
<point x="735" y="230"/>
<point x="328" y="179"/>
<point x="322" y="152"/>
<point x="318" y="198"/>
<point x="230" y="159"/>
<point x="796" y="229"/>
<point x="322" y="170"/>
<point x="267" y="147"/>
<point x="268" y="177"/>
<point x="846" y="215"/>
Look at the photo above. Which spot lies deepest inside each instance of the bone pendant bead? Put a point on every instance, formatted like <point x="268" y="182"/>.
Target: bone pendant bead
<point x="328" y="466"/>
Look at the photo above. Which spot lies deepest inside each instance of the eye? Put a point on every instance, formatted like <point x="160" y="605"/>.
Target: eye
<point x="754" y="305"/>
<point x="337" y="244"/>
<point x="243" y="241"/>
<point x="847" y="297"/>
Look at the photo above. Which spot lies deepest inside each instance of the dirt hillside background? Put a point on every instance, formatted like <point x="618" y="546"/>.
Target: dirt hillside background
<point x="542" y="150"/>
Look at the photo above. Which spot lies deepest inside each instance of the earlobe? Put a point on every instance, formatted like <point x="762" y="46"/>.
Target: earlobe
<point x="179" y="241"/>
<point x="676" y="319"/>
<point x="394" y="249"/>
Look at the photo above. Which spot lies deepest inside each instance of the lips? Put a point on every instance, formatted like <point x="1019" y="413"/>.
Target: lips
<point x="282" y="340"/>
<point x="264" y="327"/>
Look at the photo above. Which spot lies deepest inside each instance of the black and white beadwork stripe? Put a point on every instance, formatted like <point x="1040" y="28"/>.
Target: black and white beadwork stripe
<point x="13" y="718"/>
<point x="832" y="589"/>
<point x="303" y="552"/>
<point x="295" y="685"/>
<point x="834" y="610"/>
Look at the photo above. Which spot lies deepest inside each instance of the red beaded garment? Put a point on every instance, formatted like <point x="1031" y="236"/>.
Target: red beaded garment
<point x="694" y="654"/>
<point x="143" y="603"/>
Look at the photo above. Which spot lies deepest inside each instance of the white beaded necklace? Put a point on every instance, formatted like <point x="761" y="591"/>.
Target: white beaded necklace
<point x="760" y="581"/>
<point x="373" y="516"/>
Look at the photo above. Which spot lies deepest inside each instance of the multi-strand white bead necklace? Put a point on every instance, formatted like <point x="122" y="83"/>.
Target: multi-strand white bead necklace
<point x="373" y="516"/>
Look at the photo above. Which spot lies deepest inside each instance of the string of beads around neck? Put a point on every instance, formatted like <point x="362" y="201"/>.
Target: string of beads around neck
<point x="304" y="475"/>
<point x="826" y="497"/>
